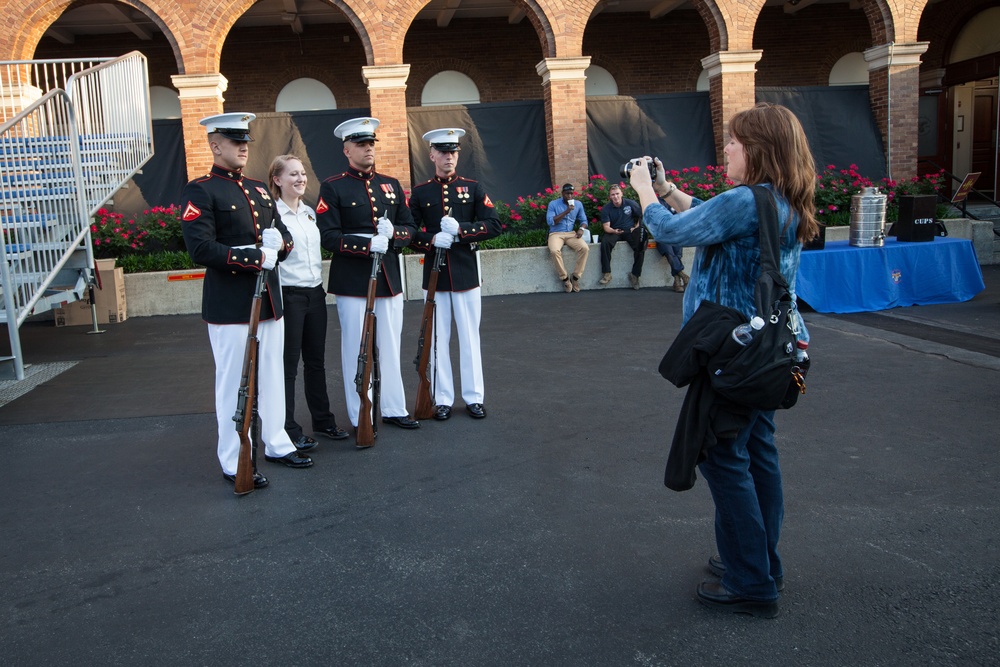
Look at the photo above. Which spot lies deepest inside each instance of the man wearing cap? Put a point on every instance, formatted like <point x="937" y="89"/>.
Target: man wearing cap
<point x="231" y="228"/>
<point x="566" y="224"/>
<point x="454" y="213"/>
<point x="361" y="212"/>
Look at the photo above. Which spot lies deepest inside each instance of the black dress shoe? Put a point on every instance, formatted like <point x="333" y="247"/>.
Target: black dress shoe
<point x="259" y="481"/>
<point x="476" y="410"/>
<point x="292" y="460"/>
<point x="304" y="443"/>
<point x="713" y="594"/>
<point x="718" y="568"/>
<point x="334" y="433"/>
<point x="442" y="412"/>
<point x="401" y="422"/>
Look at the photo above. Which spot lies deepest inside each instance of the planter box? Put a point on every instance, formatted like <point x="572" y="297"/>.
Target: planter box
<point x="511" y="271"/>
<point x="531" y="270"/>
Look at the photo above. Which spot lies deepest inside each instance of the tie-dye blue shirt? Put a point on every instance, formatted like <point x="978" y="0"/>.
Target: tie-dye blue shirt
<point x="729" y="220"/>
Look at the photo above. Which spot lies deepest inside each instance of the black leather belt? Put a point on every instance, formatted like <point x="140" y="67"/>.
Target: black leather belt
<point x="292" y="288"/>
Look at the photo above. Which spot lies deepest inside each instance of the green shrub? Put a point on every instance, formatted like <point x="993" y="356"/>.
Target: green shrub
<point x="167" y="260"/>
<point x="526" y="239"/>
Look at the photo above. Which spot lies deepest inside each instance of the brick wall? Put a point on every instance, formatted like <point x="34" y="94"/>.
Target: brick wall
<point x="645" y="56"/>
<point x="566" y="131"/>
<point x="649" y="56"/>
<point x="162" y="63"/>
<point x="801" y="48"/>
<point x="502" y="74"/>
<point x="196" y="150"/>
<point x="730" y="93"/>
<point x="319" y="53"/>
<point x="392" y="151"/>
<point x="905" y="81"/>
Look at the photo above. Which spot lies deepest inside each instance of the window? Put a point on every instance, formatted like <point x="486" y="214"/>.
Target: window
<point x="702" y="84"/>
<point x="600" y="82"/>
<point x="164" y="102"/>
<point x="449" y="87"/>
<point x="850" y="70"/>
<point x="305" y="95"/>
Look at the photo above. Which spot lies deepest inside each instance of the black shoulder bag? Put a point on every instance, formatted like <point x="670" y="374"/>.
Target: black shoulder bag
<point x="763" y="375"/>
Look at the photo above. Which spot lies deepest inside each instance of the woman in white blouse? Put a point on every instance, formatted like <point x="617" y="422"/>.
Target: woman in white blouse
<point x="304" y="301"/>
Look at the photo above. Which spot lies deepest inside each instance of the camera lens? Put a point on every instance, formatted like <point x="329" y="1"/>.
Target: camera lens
<point x="625" y="171"/>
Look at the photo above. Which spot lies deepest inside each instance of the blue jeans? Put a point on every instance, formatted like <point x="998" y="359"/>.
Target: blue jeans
<point x="745" y="480"/>
<point x="673" y="255"/>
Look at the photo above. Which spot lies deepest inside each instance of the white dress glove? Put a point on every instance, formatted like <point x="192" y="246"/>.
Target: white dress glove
<point x="443" y="240"/>
<point x="270" y="258"/>
<point x="379" y="244"/>
<point x="271" y="238"/>
<point x="449" y="225"/>
<point x="385" y="228"/>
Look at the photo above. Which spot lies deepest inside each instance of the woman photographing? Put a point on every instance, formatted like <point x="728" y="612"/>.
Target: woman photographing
<point x="304" y="301"/>
<point x="768" y="147"/>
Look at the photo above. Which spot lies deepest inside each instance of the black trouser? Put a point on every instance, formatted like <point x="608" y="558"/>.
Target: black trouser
<point x="305" y="337"/>
<point x="636" y="239"/>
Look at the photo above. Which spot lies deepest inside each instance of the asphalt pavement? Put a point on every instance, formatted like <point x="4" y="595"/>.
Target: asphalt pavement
<point x="542" y="535"/>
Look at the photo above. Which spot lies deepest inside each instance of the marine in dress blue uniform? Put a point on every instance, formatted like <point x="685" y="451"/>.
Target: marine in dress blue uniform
<point x="461" y="205"/>
<point x="350" y="207"/>
<point x="225" y="220"/>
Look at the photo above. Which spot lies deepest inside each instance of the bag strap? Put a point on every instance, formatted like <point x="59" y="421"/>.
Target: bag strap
<point x="767" y="215"/>
<point x="771" y="287"/>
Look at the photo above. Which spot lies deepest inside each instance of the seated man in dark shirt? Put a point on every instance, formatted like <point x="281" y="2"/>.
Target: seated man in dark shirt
<point x="622" y="220"/>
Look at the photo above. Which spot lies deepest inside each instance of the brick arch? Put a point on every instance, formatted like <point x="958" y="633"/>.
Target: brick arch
<point x="830" y="58"/>
<point x="882" y="22"/>
<point x="691" y="78"/>
<point x="39" y="15"/>
<point x="404" y="12"/>
<point x="218" y="20"/>
<point x="950" y="24"/>
<point x="419" y="77"/>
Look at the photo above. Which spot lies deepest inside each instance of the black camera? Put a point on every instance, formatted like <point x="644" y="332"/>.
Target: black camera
<point x="626" y="171"/>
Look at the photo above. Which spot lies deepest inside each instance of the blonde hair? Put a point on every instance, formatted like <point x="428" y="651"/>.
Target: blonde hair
<point x="776" y="151"/>
<point x="278" y="166"/>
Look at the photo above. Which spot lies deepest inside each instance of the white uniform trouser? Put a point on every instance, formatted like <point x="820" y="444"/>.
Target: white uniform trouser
<point x="228" y="345"/>
<point x="388" y="327"/>
<point x="466" y="309"/>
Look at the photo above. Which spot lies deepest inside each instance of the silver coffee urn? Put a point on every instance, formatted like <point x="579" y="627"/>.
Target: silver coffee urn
<point x="868" y="218"/>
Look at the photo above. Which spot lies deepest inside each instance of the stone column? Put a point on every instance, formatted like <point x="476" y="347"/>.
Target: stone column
<point x="894" y="89"/>
<point x="200" y="96"/>
<point x="565" y="117"/>
<point x="731" y="89"/>
<point x="387" y="95"/>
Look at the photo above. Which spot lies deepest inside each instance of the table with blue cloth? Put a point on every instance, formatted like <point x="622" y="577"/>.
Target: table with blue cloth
<point x="843" y="278"/>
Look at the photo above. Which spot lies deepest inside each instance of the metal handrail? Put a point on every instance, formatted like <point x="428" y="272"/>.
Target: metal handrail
<point x="103" y="114"/>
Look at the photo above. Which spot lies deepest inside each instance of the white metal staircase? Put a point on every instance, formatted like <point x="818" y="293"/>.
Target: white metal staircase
<point x="73" y="133"/>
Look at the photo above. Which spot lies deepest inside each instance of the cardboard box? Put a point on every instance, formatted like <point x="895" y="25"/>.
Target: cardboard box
<point x="110" y="301"/>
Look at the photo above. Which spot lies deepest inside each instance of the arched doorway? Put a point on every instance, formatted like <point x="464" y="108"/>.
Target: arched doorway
<point x="972" y="100"/>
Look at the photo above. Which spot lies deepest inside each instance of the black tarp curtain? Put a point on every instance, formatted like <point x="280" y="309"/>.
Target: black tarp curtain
<point x="505" y="147"/>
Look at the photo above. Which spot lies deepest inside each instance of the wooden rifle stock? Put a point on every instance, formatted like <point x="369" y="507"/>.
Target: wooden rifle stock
<point x="246" y="404"/>
<point x="247" y="419"/>
<point x="424" y="407"/>
<point x="367" y="375"/>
